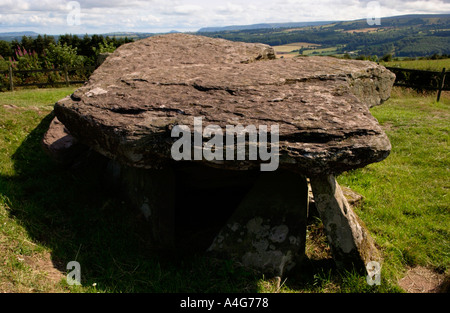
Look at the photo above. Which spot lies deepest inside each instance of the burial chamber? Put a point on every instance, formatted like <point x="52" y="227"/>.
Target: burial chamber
<point x="159" y="109"/>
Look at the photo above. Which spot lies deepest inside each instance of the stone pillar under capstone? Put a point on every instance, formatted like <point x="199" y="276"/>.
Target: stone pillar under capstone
<point x="268" y="229"/>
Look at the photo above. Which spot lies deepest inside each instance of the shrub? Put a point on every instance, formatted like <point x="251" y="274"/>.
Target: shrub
<point x="27" y="60"/>
<point x="104" y="47"/>
<point x="386" y="58"/>
<point x="60" y="55"/>
<point x="4" y="65"/>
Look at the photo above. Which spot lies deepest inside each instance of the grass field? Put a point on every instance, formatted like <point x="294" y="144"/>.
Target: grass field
<point x="363" y="30"/>
<point x="287" y="50"/>
<point x="426" y="65"/>
<point x="293" y="46"/>
<point x="324" y="51"/>
<point x="50" y="215"/>
<point x="407" y="202"/>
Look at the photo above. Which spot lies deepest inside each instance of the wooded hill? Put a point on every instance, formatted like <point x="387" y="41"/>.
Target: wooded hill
<point x="401" y="36"/>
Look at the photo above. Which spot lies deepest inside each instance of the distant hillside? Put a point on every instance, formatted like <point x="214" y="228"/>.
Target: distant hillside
<point x="412" y="20"/>
<point x="17" y="35"/>
<point x="131" y="35"/>
<point x="402" y="36"/>
<point x="394" y="21"/>
<point x="260" y="26"/>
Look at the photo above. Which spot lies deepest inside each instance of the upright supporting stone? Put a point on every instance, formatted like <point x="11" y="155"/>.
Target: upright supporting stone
<point x="60" y="145"/>
<point x="267" y="232"/>
<point x="350" y="241"/>
<point x="153" y="193"/>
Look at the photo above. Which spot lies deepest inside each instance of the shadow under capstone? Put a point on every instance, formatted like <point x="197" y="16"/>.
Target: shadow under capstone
<point x="258" y="219"/>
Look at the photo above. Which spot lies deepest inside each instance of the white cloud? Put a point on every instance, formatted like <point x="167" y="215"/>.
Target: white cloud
<point x="50" y="16"/>
<point x="187" y="9"/>
<point x="230" y="8"/>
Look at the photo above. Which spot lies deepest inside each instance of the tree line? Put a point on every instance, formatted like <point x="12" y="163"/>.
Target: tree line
<point x="47" y="52"/>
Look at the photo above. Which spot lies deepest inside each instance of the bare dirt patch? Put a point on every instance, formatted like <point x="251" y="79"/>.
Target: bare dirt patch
<point x="423" y="280"/>
<point x="10" y="107"/>
<point x="388" y="126"/>
<point x="46" y="266"/>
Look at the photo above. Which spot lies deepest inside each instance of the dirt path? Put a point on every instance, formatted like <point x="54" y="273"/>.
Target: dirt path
<point x="422" y="280"/>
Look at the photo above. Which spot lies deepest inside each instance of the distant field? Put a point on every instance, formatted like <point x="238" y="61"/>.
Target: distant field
<point x="286" y="50"/>
<point x="313" y="49"/>
<point x="363" y="30"/>
<point x="324" y="51"/>
<point x="426" y="65"/>
<point x="294" y="46"/>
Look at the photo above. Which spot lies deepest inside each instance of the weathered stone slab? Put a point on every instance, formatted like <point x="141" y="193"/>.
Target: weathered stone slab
<point x="353" y="199"/>
<point x="351" y="243"/>
<point x="268" y="229"/>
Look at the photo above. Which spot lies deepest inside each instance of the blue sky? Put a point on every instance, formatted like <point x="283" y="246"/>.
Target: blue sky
<point x="101" y="16"/>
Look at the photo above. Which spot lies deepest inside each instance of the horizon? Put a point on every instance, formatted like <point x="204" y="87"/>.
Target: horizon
<point x="156" y="16"/>
<point x="213" y="26"/>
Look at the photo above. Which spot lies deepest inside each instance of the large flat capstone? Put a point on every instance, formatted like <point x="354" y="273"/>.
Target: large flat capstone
<point x="132" y="102"/>
<point x="128" y="109"/>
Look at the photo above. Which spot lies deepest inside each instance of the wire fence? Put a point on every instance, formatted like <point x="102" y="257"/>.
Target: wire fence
<point x="44" y="77"/>
<point x="421" y="80"/>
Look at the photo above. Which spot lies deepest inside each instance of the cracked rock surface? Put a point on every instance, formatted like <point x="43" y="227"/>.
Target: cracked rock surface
<point x="133" y="100"/>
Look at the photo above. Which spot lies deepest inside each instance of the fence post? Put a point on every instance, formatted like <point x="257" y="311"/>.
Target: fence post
<point x="11" y="83"/>
<point x="441" y="86"/>
<point x="66" y="75"/>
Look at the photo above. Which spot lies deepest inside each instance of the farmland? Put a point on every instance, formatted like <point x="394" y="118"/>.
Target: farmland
<point x="292" y="49"/>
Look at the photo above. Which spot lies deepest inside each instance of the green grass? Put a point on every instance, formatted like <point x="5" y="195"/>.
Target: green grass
<point x="51" y="215"/>
<point x="426" y="65"/>
<point x="407" y="195"/>
<point x="323" y="51"/>
<point x="292" y="46"/>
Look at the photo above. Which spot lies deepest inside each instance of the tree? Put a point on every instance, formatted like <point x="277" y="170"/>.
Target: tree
<point x="48" y="40"/>
<point x="4" y="65"/>
<point x="5" y="49"/>
<point x="27" y="43"/>
<point x="386" y="58"/>
<point x="104" y="47"/>
<point x="61" y="55"/>
<point x="85" y="47"/>
<point x="70" y="40"/>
